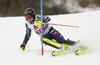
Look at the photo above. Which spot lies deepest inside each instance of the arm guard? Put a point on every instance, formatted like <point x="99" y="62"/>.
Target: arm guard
<point x="46" y="19"/>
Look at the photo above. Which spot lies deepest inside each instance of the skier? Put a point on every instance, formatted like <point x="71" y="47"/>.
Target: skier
<point x="49" y="33"/>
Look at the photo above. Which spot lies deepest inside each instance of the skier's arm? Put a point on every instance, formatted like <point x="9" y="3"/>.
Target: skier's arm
<point x="28" y="34"/>
<point x="46" y="19"/>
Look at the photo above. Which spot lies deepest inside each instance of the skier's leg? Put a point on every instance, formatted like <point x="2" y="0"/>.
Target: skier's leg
<point x="54" y="34"/>
<point x="54" y="44"/>
<point x="69" y="42"/>
<point x="75" y="44"/>
<point x="59" y="38"/>
<point x="51" y="43"/>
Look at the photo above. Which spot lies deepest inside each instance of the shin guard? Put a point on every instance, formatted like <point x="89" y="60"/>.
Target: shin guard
<point x="51" y="43"/>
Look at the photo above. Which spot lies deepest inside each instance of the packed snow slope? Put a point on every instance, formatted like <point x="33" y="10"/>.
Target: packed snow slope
<point x="12" y="32"/>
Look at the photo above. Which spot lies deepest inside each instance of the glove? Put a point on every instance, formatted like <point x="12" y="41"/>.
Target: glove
<point x="22" y="46"/>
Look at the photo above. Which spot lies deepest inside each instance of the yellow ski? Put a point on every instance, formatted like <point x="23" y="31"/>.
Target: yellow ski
<point x="79" y="52"/>
<point x="57" y="53"/>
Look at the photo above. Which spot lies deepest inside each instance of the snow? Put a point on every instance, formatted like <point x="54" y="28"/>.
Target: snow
<point x="12" y="31"/>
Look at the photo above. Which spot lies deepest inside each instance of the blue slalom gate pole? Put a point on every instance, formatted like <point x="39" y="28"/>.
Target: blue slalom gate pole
<point x="41" y="29"/>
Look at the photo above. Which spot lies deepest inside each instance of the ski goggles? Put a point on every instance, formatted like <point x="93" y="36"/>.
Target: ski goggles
<point x="28" y="16"/>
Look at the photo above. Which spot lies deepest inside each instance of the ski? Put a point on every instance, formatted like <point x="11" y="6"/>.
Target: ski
<point x="57" y="53"/>
<point x="79" y="52"/>
<point x="73" y="49"/>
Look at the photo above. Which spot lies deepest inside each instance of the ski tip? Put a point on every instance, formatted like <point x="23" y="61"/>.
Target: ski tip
<point x="53" y="53"/>
<point x="79" y="52"/>
<point x="76" y="52"/>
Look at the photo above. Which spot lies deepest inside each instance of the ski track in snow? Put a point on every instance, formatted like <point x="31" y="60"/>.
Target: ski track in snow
<point x="12" y="32"/>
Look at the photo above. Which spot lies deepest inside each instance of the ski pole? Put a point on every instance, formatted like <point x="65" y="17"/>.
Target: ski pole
<point x="39" y="23"/>
<point x="62" y="25"/>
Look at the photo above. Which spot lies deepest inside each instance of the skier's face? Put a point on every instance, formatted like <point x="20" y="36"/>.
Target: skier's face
<point x="29" y="18"/>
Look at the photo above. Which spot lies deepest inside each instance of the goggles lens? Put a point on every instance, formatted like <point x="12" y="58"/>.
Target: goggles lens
<point x="28" y="16"/>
